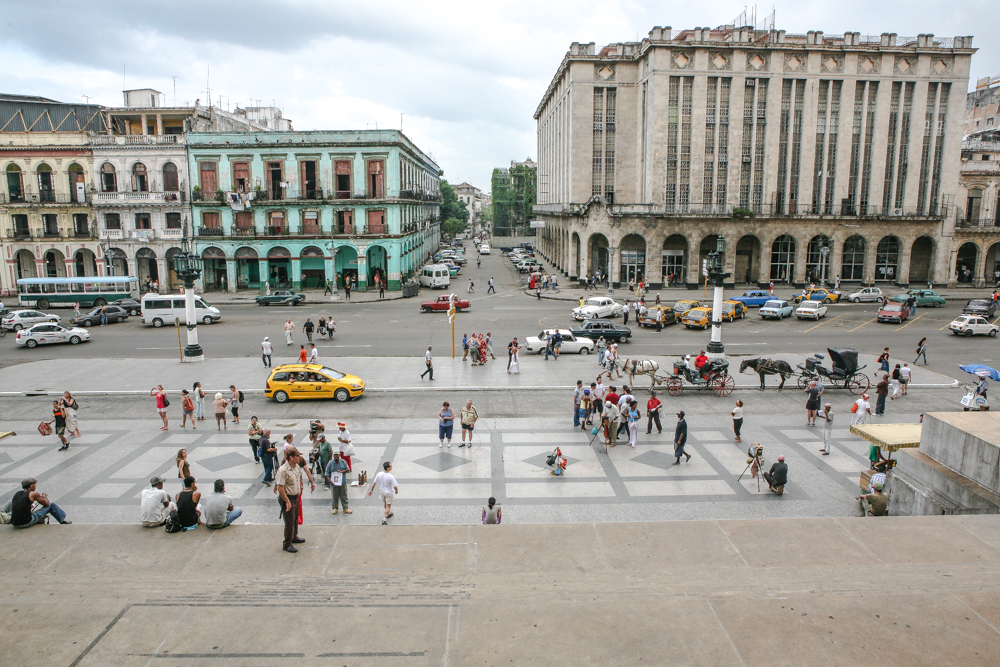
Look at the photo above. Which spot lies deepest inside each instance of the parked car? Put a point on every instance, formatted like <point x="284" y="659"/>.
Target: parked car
<point x="776" y="309"/>
<point x="755" y="297"/>
<point x="648" y="319"/>
<point x="893" y="312"/>
<point x="731" y="309"/>
<point x="865" y="294"/>
<point x="453" y="268"/>
<point x="284" y="297"/>
<point x="597" y="307"/>
<point x="971" y="325"/>
<point x="697" y="318"/>
<point x="16" y="320"/>
<point x="984" y="307"/>
<point x="484" y="249"/>
<point x="682" y="307"/>
<point x="925" y="297"/>
<point x="48" y="333"/>
<point x="570" y="343"/>
<point x="594" y="329"/>
<point x="443" y="302"/>
<point x="528" y="267"/>
<point x="296" y="381"/>
<point x="810" y="310"/>
<point x="92" y="317"/>
<point x="131" y="305"/>
<point x="817" y="294"/>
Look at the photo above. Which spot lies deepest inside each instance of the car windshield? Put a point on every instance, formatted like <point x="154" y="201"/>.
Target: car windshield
<point x="979" y="302"/>
<point x="810" y="304"/>
<point x="773" y="304"/>
<point x="894" y="307"/>
<point x="336" y="375"/>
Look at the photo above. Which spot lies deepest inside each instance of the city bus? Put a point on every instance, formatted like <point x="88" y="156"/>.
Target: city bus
<point x="88" y="291"/>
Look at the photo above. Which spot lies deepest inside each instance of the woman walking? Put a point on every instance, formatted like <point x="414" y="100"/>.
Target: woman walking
<point x="199" y="401"/>
<point x="70" y="407"/>
<point x="737" y="414"/>
<point x="254" y="432"/>
<point x="220" y="412"/>
<point x="812" y="404"/>
<point x="446" y="423"/>
<point x="183" y="468"/>
<point x="921" y="351"/>
<point x="883" y="361"/>
<point x="161" y="403"/>
<point x="895" y="382"/>
<point x="187" y="409"/>
<point x="633" y="423"/>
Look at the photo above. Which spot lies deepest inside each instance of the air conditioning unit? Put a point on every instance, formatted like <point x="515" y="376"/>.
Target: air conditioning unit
<point x="897" y="211"/>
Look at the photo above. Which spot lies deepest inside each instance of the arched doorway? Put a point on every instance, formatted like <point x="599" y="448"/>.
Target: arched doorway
<point x="345" y="264"/>
<point x="597" y="253"/>
<point x="213" y="274"/>
<point x="378" y="264"/>
<point x="965" y="263"/>
<point x="24" y="261"/>
<point x="247" y="268"/>
<point x="992" y="270"/>
<point x="674" y="263"/>
<point x="77" y="188"/>
<point x="173" y="284"/>
<point x="145" y="266"/>
<point x="119" y="263"/>
<point x="887" y="259"/>
<point x="85" y="264"/>
<point x="748" y="260"/>
<point x="279" y="268"/>
<point x="818" y="259"/>
<point x="633" y="259"/>
<point x="782" y="259"/>
<point x="313" y="267"/>
<point x="921" y="254"/>
<point x="55" y="264"/>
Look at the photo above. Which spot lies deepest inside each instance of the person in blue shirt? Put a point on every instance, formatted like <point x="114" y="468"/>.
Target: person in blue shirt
<point x="336" y="476"/>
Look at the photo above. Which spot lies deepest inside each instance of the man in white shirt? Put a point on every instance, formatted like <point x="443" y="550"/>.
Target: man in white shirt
<point x="429" y="360"/>
<point x="266" y="351"/>
<point x="624" y="400"/>
<point x="625" y="313"/>
<point x="289" y="331"/>
<point x="387" y="489"/>
<point x="864" y="410"/>
<point x="219" y="510"/>
<point x="155" y="504"/>
<point x="345" y="445"/>
<point x="904" y="377"/>
<point x="313" y="354"/>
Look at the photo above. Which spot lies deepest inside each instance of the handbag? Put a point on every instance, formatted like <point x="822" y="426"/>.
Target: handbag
<point x="166" y="401"/>
<point x="349" y="449"/>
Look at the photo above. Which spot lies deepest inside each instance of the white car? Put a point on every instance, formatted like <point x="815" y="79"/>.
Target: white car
<point x="810" y="310"/>
<point x="21" y="319"/>
<point x="44" y="334"/>
<point x="484" y="250"/>
<point x="597" y="307"/>
<point x="570" y="344"/>
<point x="970" y="325"/>
<point x="865" y="294"/>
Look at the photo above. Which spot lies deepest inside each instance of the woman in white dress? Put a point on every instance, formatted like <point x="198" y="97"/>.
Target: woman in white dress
<point x="69" y="409"/>
<point x="515" y="364"/>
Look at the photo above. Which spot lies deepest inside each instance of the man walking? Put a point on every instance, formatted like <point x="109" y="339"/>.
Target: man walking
<point x="491" y="289"/>
<point x="827" y="416"/>
<point x="329" y="289"/>
<point x="465" y="347"/>
<point x="489" y="345"/>
<point x="289" y="330"/>
<point x="289" y="482"/>
<point x="653" y="413"/>
<point x="577" y="397"/>
<point x="308" y="329"/>
<point x="266" y="351"/>
<point x="625" y="310"/>
<point x="472" y="286"/>
<point x="511" y="346"/>
<point x="469" y="418"/>
<point x="313" y="354"/>
<point x="388" y="488"/>
<point x="862" y="409"/>
<point x="430" y="364"/>
<point x="267" y="456"/>
<point x="881" y="390"/>
<point x="680" y="438"/>
<point x="336" y="478"/>
<point x="904" y="377"/>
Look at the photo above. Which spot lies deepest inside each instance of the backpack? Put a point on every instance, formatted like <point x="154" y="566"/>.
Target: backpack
<point x="173" y="523"/>
<point x="188" y="404"/>
<point x="854" y="408"/>
<point x="240" y="393"/>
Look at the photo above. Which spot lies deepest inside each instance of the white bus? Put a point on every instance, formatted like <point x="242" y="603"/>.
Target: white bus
<point x="87" y="291"/>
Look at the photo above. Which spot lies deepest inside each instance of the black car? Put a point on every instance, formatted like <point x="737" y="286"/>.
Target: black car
<point x="131" y="305"/>
<point x="984" y="307"/>
<point x="594" y="329"/>
<point x="89" y="319"/>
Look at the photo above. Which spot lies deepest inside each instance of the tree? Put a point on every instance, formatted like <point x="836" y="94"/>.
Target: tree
<point x="453" y="226"/>
<point x="451" y="205"/>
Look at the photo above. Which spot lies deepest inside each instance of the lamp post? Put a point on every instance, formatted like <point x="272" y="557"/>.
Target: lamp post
<point x="824" y="253"/>
<point x="716" y="266"/>
<point x="187" y="267"/>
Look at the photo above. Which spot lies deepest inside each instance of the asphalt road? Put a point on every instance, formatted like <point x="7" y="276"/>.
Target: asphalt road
<point x="397" y="327"/>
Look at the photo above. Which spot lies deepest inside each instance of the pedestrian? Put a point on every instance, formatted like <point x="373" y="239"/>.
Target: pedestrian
<point x="221" y="405"/>
<point x="325" y="452"/>
<point x="491" y="289"/>
<point x="469" y="417"/>
<point x="329" y="289"/>
<point x="556" y="343"/>
<point x="59" y="418"/>
<point x="465" y="347"/>
<point x="577" y="398"/>
<point x="347" y="288"/>
<point x="680" y="438"/>
<point x="881" y="391"/>
<point x="586" y="405"/>
<point x="268" y="455"/>
<point x="235" y="403"/>
<point x="491" y="513"/>
<point x="381" y="288"/>
<point x="70" y="407"/>
<point x="883" y="361"/>
<point x="911" y="304"/>
<point x="472" y="286"/>
<point x="836" y="282"/>
<point x="737" y="415"/>
<point x="289" y="488"/>
<point x="515" y="363"/>
<point x="770" y="288"/>
<point x="335" y="474"/>
<point x="827" y="416"/>
<point x="653" y="413"/>
<point x="313" y="354"/>
<point x="219" y="510"/>
<point x="904" y="377"/>
<point x="921" y="351"/>
<point x="199" y="401"/>
<point x="861" y="409"/>
<point x="308" y="328"/>
<point x="602" y="346"/>
<point x="76" y="309"/>
<point x="21" y="515"/>
<point x="345" y="445"/>
<point x="428" y="359"/>
<point x="331" y="327"/>
<point x="633" y="423"/>
<point x="388" y="488"/>
<point x="610" y="419"/>
<point x="895" y="381"/>
<point x="187" y="409"/>
<point x="446" y="422"/>
<point x="625" y="310"/>
<point x="104" y="315"/>
<point x="181" y="463"/>
<point x="289" y="331"/>
<point x="624" y="402"/>
<point x="303" y="355"/>
<point x="254" y="432"/>
<point x="161" y="403"/>
<point x="812" y="403"/>
<point x="489" y="345"/>
<point x="266" y="351"/>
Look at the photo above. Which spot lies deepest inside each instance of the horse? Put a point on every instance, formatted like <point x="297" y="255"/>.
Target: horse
<point x="635" y="367"/>
<point x="764" y="367"/>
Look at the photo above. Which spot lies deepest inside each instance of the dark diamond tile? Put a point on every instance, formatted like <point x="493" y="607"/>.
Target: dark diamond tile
<point x="230" y="460"/>
<point x="5" y="458"/>
<point x="656" y="459"/>
<point x="442" y="461"/>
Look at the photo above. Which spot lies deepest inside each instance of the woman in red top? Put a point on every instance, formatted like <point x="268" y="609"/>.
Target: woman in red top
<point x="161" y="403"/>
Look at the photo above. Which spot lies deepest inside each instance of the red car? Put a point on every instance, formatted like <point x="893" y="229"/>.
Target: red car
<point x="443" y="302"/>
<point x="893" y="312"/>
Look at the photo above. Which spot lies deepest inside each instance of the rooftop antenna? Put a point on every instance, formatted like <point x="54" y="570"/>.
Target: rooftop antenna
<point x="401" y="122"/>
<point x="123" y="76"/>
<point x="87" y="97"/>
<point x="175" y="89"/>
<point x="208" y="83"/>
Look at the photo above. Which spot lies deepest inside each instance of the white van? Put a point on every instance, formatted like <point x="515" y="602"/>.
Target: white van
<point x="435" y="276"/>
<point x="163" y="309"/>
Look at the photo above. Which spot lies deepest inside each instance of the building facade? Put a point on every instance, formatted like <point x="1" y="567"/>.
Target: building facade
<point x="977" y="234"/>
<point x="813" y="156"/>
<point x="513" y="197"/>
<point x="298" y="209"/>
<point x="475" y="199"/>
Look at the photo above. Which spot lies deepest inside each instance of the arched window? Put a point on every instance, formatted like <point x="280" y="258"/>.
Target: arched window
<point x="140" y="183"/>
<point x="15" y="186"/>
<point x="170" y="183"/>
<point x="783" y="258"/>
<point x="887" y="258"/>
<point x="46" y="187"/>
<point x="109" y="179"/>
<point x="853" y="265"/>
<point x="818" y="259"/>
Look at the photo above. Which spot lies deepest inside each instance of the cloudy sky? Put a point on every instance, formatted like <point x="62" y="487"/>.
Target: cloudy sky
<point x="466" y="76"/>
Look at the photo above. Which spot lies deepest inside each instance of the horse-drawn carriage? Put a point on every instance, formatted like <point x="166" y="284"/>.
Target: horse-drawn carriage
<point x="844" y="373"/>
<point x="713" y="375"/>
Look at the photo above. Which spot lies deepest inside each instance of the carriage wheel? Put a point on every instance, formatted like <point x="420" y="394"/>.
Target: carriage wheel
<point x="675" y="386"/>
<point x="723" y="384"/>
<point x="858" y="383"/>
<point x="803" y="381"/>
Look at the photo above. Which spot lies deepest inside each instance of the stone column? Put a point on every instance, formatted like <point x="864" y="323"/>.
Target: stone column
<point x="836" y="260"/>
<point x="159" y="123"/>
<point x="903" y="266"/>
<point x="362" y="270"/>
<point x="614" y="263"/>
<point x="801" y="250"/>
<point x="296" y="273"/>
<point x="70" y="267"/>
<point x="162" y="275"/>
<point x="143" y="125"/>
<point x="232" y="277"/>
<point x="262" y="271"/>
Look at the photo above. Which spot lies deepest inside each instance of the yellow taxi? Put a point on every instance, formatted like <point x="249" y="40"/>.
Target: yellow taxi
<point x="648" y="319"/>
<point x="697" y="317"/>
<point x="297" y="381"/>
<point x="682" y="307"/>
<point x="733" y="309"/>
<point x="817" y="294"/>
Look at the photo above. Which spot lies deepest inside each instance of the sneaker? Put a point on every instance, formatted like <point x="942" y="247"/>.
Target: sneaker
<point x="290" y="549"/>
<point x="440" y="445"/>
<point x="333" y="511"/>
<point x="390" y="515"/>
<point x="462" y="445"/>
<point x="688" y="457"/>
<point x="384" y="522"/>
<point x="299" y="540"/>
<point x="63" y="448"/>
<point x="449" y="445"/>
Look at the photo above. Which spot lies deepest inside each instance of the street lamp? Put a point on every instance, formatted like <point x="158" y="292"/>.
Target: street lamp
<point x="716" y="266"/>
<point x="187" y="267"/>
<point x="824" y="253"/>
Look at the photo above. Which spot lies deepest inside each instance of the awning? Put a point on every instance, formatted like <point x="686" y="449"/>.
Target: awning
<point x="889" y="437"/>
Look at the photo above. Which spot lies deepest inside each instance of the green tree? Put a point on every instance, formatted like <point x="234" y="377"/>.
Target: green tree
<point x="453" y="226"/>
<point x="451" y="206"/>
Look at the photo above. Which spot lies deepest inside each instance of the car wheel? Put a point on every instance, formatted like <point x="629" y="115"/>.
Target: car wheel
<point x="586" y="350"/>
<point x="100" y="302"/>
<point x="18" y="327"/>
<point x="119" y="320"/>
<point x="428" y="309"/>
<point x="207" y="319"/>
<point x="74" y="340"/>
<point x="341" y="395"/>
<point x="856" y="300"/>
<point x="968" y="332"/>
<point x="86" y="323"/>
<point x="993" y="333"/>
<point x="281" y="397"/>
<point x="260" y="303"/>
<point x="622" y="338"/>
<point x="134" y="312"/>
<point x="157" y="323"/>
<point x="32" y="343"/>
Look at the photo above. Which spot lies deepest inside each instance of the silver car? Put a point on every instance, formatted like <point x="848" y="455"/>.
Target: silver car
<point x="865" y="294"/>
<point x="46" y="334"/>
<point x="21" y="319"/>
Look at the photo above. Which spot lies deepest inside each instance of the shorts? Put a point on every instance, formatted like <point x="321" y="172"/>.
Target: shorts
<point x="467" y="427"/>
<point x="161" y="409"/>
<point x="386" y="497"/>
<point x="188" y="412"/>
<point x="903" y="380"/>
<point x="60" y="430"/>
<point x="445" y="431"/>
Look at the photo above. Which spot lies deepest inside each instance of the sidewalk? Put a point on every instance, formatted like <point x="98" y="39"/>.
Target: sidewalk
<point x="571" y="291"/>
<point x="313" y="296"/>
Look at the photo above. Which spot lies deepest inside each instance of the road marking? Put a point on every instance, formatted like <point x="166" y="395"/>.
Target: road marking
<point x="861" y="325"/>
<point x="323" y="347"/>
<point x="911" y="322"/>
<point x="154" y="348"/>
<point x="822" y="323"/>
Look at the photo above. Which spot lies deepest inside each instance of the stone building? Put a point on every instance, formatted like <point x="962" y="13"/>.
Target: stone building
<point x="514" y="195"/>
<point x="977" y="234"/>
<point x="474" y="199"/>
<point x="982" y="106"/>
<point x="815" y="156"/>
<point x="297" y="209"/>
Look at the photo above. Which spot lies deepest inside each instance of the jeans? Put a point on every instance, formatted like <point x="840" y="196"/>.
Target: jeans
<point x="578" y="413"/>
<point x="231" y="516"/>
<point x="548" y="351"/>
<point x="922" y="353"/>
<point x="104" y="319"/>
<point x="268" y="467"/>
<point x="880" y="405"/>
<point x="339" y="493"/>
<point x="430" y="369"/>
<point x="266" y="358"/>
<point x="827" y="438"/>
<point x="39" y="514"/>
<point x="291" y="518"/>
<point x="254" y="446"/>
<point x="199" y="408"/>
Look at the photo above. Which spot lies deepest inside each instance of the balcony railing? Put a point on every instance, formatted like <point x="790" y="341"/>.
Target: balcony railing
<point x="737" y="212"/>
<point x="309" y="230"/>
<point x="172" y="233"/>
<point x="135" y="197"/>
<point x="210" y="231"/>
<point x="271" y="230"/>
<point x="980" y="166"/>
<point x="82" y="232"/>
<point x="345" y="230"/>
<point x="247" y="232"/>
<point x="980" y="222"/>
<point x="343" y="194"/>
<point x="136" y="139"/>
<point x="111" y="234"/>
<point x="380" y="230"/>
<point x="21" y="234"/>
<point x="51" y="233"/>
<point x="34" y="198"/>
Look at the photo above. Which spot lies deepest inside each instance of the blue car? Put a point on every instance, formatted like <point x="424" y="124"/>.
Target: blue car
<point x="777" y="309"/>
<point x="753" y="298"/>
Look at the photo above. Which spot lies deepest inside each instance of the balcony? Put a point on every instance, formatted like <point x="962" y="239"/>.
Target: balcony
<point x="343" y="194"/>
<point x="83" y="233"/>
<point x="112" y="234"/>
<point x="271" y="230"/>
<point x="172" y="233"/>
<point x="136" y="139"/>
<point x="210" y="231"/>
<point x="980" y="166"/>
<point x="244" y="232"/>
<point x="377" y="230"/>
<point x="309" y="230"/>
<point x="344" y="230"/>
<point x="51" y="233"/>
<point x="21" y="234"/>
<point x="44" y="198"/>
<point x="765" y="211"/>
<point x="125" y="198"/>
<point x="982" y="222"/>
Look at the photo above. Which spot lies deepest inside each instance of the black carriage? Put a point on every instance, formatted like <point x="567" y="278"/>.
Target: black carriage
<point x="714" y="375"/>
<point x="844" y="373"/>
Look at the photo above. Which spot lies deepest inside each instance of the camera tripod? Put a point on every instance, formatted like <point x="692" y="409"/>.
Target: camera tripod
<point x="755" y="465"/>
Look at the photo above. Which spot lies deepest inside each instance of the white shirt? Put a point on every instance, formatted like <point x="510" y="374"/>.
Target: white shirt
<point x="737" y="412"/>
<point x="151" y="509"/>
<point x="863" y="405"/>
<point x="904" y="372"/>
<point x="625" y="307"/>
<point x="385" y="482"/>
<point x="599" y="390"/>
<point x="344" y="439"/>
<point x="625" y="399"/>
<point x="266" y="346"/>
<point x="314" y="354"/>
<point x="427" y="355"/>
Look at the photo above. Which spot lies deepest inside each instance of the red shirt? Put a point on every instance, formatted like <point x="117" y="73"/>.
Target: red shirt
<point x="700" y="361"/>
<point x="302" y="356"/>
<point x="653" y="403"/>
<point x="611" y="397"/>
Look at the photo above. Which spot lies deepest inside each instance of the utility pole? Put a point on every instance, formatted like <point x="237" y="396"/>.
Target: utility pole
<point x="716" y="271"/>
<point x="175" y="89"/>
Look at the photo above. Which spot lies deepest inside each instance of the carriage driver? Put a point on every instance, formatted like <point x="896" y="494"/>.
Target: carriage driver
<point x="699" y="363"/>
